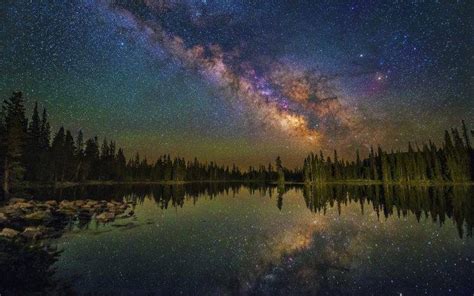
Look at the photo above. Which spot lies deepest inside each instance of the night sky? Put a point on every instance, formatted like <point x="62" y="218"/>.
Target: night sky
<point x="243" y="81"/>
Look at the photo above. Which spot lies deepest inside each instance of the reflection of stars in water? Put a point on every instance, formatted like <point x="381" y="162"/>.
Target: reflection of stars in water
<point x="208" y="235"/>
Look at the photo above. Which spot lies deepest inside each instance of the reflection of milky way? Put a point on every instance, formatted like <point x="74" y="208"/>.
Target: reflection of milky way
<point x="298" y="102"/>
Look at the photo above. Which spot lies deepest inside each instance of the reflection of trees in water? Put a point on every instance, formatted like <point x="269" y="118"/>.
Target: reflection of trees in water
<point x="318" y="267"/>
<point x="441" y="202"/>
<point x="27" y="269"/>
<point x="163" y="194"/>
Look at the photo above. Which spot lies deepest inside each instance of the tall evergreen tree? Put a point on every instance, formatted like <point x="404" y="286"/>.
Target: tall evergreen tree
<point x="58" y="155"/>
<point x="33" y="148"/>
<point x="79" y="156"/>
<point x="14" y="140"/>
<point x="280" y="172"/>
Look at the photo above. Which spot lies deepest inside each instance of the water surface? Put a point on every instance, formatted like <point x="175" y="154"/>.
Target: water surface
<point x="224" y="239"/>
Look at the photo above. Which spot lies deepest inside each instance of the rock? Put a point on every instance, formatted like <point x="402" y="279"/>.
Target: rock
<point x="9" y="233"/>
<point x="86" y="206"/>
<point x="105" y="217"/>
<point x="89" y="205"/>
<point x="52" y="203"/>
<point x="110" y="205"/>
<point x="85" y="212"/>
<point x="118" y="212"/>
<point x="3" y="218"/>
<point x="68" y="211"/>
<point x="66" y="204"/>
<point x="101" y="205"/>
<point x="39" y="216"/>
<point x="79" y="203"/>
<point x="67" y="208"/>
<point x="92" y="203"/>
<point x="24" y="206"/>
<point x="32" y="232"/>
<point x="43" y="206"/>
<point x="16" y="200"/>
<point x="12" y="212"/>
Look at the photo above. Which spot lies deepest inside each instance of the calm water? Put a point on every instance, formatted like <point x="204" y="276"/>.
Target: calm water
<point x="222" y="239"/>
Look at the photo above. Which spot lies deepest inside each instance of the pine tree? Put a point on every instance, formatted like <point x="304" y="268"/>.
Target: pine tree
<point x="91" y="159"/>
<point x="280" y="172"/>
<point x="58" y="155"/>
<point x="44" y="166"/>
<point x="121" y="165"/>
<point x="45" y="131"/>
<point x="385" y="167"/>
<point x="69" y="157"/>
<point x="14" y="140"/>
<point x="33" y="148"/>
<point x="79" y="157"/>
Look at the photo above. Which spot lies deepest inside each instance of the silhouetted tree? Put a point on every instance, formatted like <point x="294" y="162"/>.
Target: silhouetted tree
<point x="454" y="162"/>
<point x="14" y="138"/>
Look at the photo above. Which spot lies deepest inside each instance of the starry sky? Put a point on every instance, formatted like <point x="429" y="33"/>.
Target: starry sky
<point x="243" y="81"/>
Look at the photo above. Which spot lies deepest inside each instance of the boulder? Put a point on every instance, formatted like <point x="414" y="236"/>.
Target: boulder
<point x="12" y="212"/>
<point x="68" y="211"/>
<point x="16" y="200"/>
<point x="52" y="203"/>
<point x="85" y="212"/>
<point x="125" y="215"/>
<point x="3" y="218"/>
<point x="66" y="204"/>
<point x="79" y="203"/>
<point x="32" y="232"/>
<point x="87" y="208"/>
<point x="24" y="206"/>
<point x="92" y="203"/>
<point x="9" y="233"/>
<point x="67" y="208"/>
<point x="43" y="206"/>
<point x="105" y="217"/>
<point x="39" y="216"/>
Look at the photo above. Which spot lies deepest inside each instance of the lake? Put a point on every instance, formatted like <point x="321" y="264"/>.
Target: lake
<point x="230" y="239"/>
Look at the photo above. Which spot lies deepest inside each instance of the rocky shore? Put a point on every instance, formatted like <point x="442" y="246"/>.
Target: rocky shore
<point x="33" y="219"/>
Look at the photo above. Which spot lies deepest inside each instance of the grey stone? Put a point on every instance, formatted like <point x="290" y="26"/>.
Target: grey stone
<point x="39" y="216"/>
<point x="32" y="232"/>
<point x="3" y="218"/>
<point x="105" y="217"/>
<point x="52" y="203"/>
<point x="8" y="232"/>
<point x="23" y="205"/>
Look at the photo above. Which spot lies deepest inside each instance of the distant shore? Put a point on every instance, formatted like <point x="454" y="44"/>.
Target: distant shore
<point x="341" y="182"/>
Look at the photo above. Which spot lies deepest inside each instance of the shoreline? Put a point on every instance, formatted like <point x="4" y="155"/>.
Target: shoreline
<point x="60" y="185"/>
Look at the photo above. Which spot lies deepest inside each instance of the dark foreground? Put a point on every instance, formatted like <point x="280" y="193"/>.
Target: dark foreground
<point x="224" y="239"/>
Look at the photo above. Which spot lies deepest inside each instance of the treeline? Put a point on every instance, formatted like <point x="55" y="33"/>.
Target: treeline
<point x="453" y="161"/>
<point x="28" y="153"/>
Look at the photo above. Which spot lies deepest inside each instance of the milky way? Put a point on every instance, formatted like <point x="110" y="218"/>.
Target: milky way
<point x="296" y="101"/>
<point x="238" y="81"/>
